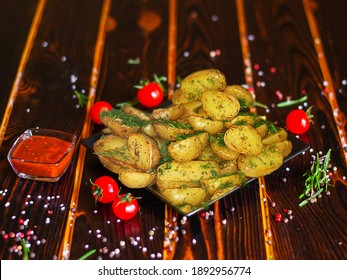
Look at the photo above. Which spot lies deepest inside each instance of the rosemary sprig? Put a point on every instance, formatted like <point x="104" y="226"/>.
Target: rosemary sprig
<point x="291" y="102"/>
<point x="317" y="179"/>
<point x="81" y="98"/>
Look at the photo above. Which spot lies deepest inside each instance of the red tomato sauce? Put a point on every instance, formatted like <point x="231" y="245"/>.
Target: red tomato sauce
<point x="42" y="156"/>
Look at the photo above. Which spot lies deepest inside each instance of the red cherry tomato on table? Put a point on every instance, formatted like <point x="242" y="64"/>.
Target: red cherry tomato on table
<point x="298" y="121"/>
<point x="150" y="95"/>
<point x="96" y="110"/>
<point x="125" y="206"/>
<point x="105" y="189"/>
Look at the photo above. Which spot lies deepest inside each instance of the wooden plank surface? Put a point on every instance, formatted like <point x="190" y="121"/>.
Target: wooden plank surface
<point x="279" y="49"/>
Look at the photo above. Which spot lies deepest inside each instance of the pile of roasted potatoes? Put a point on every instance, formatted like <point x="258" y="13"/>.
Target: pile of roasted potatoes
<point x="203" y="145"/>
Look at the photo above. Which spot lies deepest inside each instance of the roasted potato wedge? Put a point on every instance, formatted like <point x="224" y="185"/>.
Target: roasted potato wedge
<point x="272" y="138"/>
<point x="244" y="139"/>
<point x="224" y="181"/>
<point x="285" y="147"/>
<point x="221" y="150"/>
<point x="118" y="128"/>
<point x="144" y="151"/>
<point x="178" y="97"/>
<point x="170" y="113"/>
<point x="182" y="196"/>
<point x="260" y="165"/>
<point x="113" y="147"/>
<point x="135" y="179"/>
<point x="204" y="124"/>
<point x="194" y="84"/>
<point x="170" y="131"/>
<point x="169" y="184"/>
<point x="219" y="106"/>
<point x="187" y="171"/>
<point x="189" y="148"/>
<point x="242" y="95"/>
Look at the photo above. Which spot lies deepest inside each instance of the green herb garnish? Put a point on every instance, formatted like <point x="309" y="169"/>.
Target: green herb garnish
<point x="175" y="124"/>
<point x="25" y="249"/>
<point x="134" y="61"/>
<point x="86" y="255"/>
<point x="291" y="102"/>
<point x="317" y="179"/>
<point x="126" y="119"/>
<point x="81" y="98"/>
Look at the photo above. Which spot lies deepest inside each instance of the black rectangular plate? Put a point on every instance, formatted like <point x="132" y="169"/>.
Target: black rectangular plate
<point x="298" y="148"/>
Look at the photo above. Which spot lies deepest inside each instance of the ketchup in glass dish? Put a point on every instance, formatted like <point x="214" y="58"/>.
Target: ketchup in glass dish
<point x="42" y="154"/>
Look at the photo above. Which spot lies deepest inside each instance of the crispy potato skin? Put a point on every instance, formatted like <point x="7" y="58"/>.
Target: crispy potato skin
<point x="243" y="139"/>
<point x="188" y="149"/>
<point x="194" y="84"/>
<point x="219" y="106"/>
<point x="203" y="146"/>
<point x="260" y="165"/>
<point x="134" y="179"/>
<point x="144" y="151"/>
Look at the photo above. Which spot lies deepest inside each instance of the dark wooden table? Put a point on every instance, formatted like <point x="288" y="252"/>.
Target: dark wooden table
<point x="279" y="49"/>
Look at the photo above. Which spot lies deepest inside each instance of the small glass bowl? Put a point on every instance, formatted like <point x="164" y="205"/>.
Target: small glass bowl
<point x="42" y="154"/>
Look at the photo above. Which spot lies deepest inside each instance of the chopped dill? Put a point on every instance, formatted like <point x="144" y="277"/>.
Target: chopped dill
<point x="121" y="152"/>
<point x="175" y="124"/>
<point x="126" y="119"/>
<point x="185" y="136"/>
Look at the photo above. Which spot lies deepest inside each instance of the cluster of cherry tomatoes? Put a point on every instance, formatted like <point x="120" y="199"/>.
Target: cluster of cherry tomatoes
<point x="106" y="190"/>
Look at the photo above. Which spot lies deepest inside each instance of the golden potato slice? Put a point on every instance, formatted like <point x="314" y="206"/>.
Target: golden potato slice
<point x="228" y="167"/>
<point x="285" y="147"/>
<point x="171" y="130"/>
<point x="265" y="163"/>
<point x="187" y="171"/>
<point x="149" y="130"/>
<point x="219" y="106"/>
<point x="205" y="124"/>
<point x="170" y="113"/>
<point x="113" y="147"/>
<point x="170" y="184"/>
<point x="244" y="139"/>
<point x="262" y="130"/>
<point x="132" y="111"/>
<point x="178" y="97"/>
<point x="242" y="95"/>
<point x="144" y="151"/>
<point x="194" y="84"/>
<point x="221" y="192"/>
<point x="182" y="196"/>
<point x="135" y="179"/>
<point x="191" y="108"/>
<point x="208" y="155"/>
<point x="224" y="181"/>
<point x="222" y="151"/>
<point x="188" y="149"/>
<point x="272" y="138"/>
<point x="118" y="128"/>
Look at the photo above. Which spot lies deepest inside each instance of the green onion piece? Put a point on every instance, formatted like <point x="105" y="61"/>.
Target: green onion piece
<point x="291" y="102"/>
<point x="260" y="105"/>
<point x="86" y="255"/>
<point x="26" y="250"/>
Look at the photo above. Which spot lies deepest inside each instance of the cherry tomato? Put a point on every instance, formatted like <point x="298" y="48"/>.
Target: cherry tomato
<point x="298" y="121"/>
<point x="150" y="95"/>
<point x="105" y="189"/>
<point x="96" y="110"/>
<point x="125" y="206"/>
